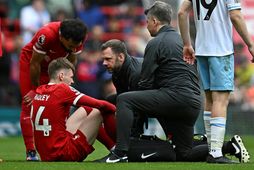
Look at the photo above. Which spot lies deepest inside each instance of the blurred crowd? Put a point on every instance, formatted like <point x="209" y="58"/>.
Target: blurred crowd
<point x="120" y="19"/>
<point x="244" y="80"/>
<point x="20" y="19"/>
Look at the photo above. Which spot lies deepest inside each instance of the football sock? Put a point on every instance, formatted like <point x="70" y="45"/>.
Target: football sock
<point x="27" y="131"/>
<point x="105" y="139"/>
<point x="109" y="121"/>
<point x="218" y="125"/>
<point x="207" y="117"/>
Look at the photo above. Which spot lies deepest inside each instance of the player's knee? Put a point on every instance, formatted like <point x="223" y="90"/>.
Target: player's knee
<point x="96" y="113"/>
<point x="124" y="97"/>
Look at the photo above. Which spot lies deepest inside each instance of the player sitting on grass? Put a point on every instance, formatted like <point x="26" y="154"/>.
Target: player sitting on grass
<point x="59" y="136"/>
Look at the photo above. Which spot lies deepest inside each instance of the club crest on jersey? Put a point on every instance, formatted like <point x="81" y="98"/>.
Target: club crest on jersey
<point x="41" y="39"/>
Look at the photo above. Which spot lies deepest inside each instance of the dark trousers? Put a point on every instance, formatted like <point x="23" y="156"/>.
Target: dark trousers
<point x="175" y="112"/>
<point x="138" y="122"/>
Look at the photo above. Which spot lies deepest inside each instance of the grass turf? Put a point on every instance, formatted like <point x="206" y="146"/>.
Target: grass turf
<point x="13" y="156"/>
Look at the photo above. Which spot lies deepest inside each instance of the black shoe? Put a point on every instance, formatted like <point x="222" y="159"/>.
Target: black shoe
<point x="219" y="160"/>
<point x="113" y="158"/>
<point x="240" y="151"/>
<point x="199" y="139"/>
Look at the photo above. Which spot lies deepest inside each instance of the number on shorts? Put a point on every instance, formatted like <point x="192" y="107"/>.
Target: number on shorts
<point x="210" y="8"/>
<point x="45" y="127"/>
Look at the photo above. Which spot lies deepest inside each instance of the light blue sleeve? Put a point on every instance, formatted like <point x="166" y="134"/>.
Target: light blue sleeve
<point x="233" y="4"/>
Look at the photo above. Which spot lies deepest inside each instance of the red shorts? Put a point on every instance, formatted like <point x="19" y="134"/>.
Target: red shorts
<point x="76" y="149"/>
<point x="88" y="109"/>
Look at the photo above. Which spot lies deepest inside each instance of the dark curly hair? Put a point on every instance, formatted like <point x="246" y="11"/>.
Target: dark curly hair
<point x="73" y="29"/>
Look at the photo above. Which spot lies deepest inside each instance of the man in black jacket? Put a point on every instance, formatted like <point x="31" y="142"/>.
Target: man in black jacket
<point x="125" y="71"/>
<point x="169" y="89"/>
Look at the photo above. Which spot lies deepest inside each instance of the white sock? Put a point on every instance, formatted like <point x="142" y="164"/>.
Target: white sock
<point x="113" y="148"/>
<point x="218" y="126"/>
<point x="207" y="117"/>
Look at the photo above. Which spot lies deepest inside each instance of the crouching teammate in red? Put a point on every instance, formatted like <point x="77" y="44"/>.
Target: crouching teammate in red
<point x="59" y="136"/>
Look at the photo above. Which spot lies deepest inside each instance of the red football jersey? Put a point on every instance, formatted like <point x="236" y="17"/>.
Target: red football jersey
<point x="46" y="41"/>
<point x="50" y="110"/>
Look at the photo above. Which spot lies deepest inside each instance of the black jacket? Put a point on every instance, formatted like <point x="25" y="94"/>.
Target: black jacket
<point x="126" y="79"/>
<point x="164" y="68"/>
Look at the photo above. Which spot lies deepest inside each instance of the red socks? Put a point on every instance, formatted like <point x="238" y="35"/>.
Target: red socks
<point x="27" y="131"/>
<point x="104" y="138"/>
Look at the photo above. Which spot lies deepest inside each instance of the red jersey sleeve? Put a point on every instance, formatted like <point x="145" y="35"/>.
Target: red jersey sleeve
<point x="43" y="41"/>
<point x="76" y="98"/>
<point x="102" y="105"/>
<point x="70" y="95"/>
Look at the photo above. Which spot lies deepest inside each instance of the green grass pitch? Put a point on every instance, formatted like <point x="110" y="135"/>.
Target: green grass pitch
<point x="13" y="156"/>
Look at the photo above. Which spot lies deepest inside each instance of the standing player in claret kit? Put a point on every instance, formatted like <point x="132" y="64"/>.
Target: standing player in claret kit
<point x="215" y="59"/>
<point x="59" y="136"/>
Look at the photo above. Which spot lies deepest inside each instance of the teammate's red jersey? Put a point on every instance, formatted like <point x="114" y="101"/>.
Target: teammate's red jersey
<point x="50" y="110"/>
<point x="47" y="41"/>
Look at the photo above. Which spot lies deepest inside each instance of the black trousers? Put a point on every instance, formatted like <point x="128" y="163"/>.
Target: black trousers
<point x="176" y="113"/>
<point x="138" y="122"/>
